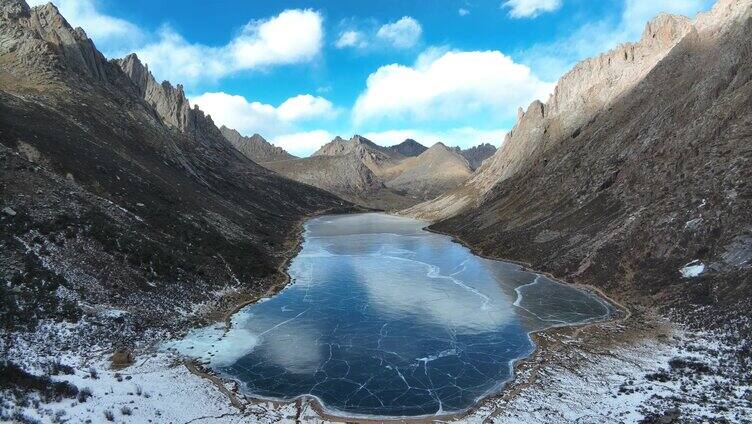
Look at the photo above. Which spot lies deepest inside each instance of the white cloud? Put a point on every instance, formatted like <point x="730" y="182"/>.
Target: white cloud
<point x="404" y="33"/>
<point x="293" y="36"/>
<point x="254" y="117"/>
<point x="449" y="85"/>
<point x="530" y="8"/>
<point x="401" y="34"/>
<point x="351" y="38"/>
<point x="303" y="143"/>
<point x="108" y="32"/>
<point x="463" y="12"/>
<point x="463" y="137"/>
<point x="305" y="107"/>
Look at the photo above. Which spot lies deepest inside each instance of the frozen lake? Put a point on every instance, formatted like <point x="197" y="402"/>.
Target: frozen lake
<point x="385" y="319"/>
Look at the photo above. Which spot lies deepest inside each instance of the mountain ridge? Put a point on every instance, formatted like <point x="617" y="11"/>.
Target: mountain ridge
<point x="604" y="77"/>
<point x="654" y="182"/>
<point x="255" y="147"/>
<point x="122" y="193"/>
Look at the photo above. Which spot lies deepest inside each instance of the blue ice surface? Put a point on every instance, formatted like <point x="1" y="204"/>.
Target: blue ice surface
<point x="385" y="319"/>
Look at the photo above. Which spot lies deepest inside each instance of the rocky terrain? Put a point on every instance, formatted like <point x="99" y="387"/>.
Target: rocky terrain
<point x="580" y="95"/>
<point x="379" y="177"/>
<point x="120" y="203"/>
<point x="433" y="172"/>
<point x="477" y="154"/>
<point x="648" y="196"/>
<point x="255" y="147"/>
<point x="409" y="148"/>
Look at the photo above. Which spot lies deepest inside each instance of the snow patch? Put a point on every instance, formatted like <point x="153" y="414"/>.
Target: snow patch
<point x="692" y="269"/>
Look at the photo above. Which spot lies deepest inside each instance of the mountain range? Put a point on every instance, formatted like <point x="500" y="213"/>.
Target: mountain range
<point x="359" y="170"/>
<point x="123" y="204"/>
<point x="119" y="191"/>
<point x="621" y="188"/>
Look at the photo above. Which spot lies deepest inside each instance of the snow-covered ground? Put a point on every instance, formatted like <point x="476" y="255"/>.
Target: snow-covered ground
<point x="573" y="381"/>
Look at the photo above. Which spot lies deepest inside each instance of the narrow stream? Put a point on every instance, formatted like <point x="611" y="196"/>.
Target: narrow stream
<point x="385" y="319"/>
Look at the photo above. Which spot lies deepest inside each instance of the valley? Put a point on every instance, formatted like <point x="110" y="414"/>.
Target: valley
<point x="157" y="265"/>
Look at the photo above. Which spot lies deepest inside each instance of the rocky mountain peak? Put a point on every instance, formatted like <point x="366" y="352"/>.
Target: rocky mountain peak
<point x="43" y="42"/>
<point x="439" y="146"/>
<point x="578" y="96"/>
<point x="477" y="154"/>
<point x="255" y="148"/>
<point x="169" y="101"/>
<point x="409" y="148"/>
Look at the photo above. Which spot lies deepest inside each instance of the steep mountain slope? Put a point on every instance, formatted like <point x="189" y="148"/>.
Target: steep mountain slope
<point x="435" y="171"/>
<point x="255" y="148"/>
<point x="379" y="177"/>
<point x="579" y="97"/>
<point x="353" y="169"/>
<point x="117" y="194"/>
<point x="408" y="148"/>
<point x="477" y="154"/>
<point x="375" y="157"/>
<point x="651" y="195"/>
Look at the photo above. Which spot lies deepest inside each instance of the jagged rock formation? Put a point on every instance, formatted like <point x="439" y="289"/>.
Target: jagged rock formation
<point x="379" y="177"/>
<point x="255" y="148"/>
<point x="409" y="148"/>
<point x="579" y="96"/>
<point x="169" y="102"/>
<point x="123" y="195"/>
<point x="349" y="168"/>
<point x="375" y="157"/>
<point x="477" y="154"/>
<point x="435" y="171"/>
<point x="635" y="177"/>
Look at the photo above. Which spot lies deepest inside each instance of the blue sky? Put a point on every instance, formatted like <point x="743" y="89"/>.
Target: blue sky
<point x="300" y="72"/>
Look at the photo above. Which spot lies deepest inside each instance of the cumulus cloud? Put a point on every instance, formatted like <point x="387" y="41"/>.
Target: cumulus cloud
<point x="293" y="36"/>
<point x="449" y="85"/>
<point x="250" y="117"/>
<point x="351" y="38"/>
<point x="463" y="12"/>
<point x="404" y="33"/>
<point x="530" y="8"/>
<point x="108" y="32"/>
<point x="303" y="143"/>
<point x="464" y="137"/>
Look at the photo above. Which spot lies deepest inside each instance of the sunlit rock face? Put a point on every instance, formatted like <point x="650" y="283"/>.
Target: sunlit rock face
<point x="385" y="319"/>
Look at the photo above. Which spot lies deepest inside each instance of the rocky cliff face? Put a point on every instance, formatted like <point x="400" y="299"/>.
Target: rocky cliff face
<point x="477" y="154"/>
<point x="409" y="148"/>
<point x="649" y="196"/>
<point x="169" y="102"/>
<point x="120" y="195"/>
<point x="579" y="96"/>
<point x="255" y="148"/>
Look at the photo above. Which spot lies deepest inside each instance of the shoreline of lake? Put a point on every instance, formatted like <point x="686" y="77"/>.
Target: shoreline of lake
<point x="324" y="411"/>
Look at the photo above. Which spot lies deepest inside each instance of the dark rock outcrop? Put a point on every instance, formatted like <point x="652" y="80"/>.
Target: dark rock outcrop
<point x="477" y="154"/>
<point x="409" y="148"/>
